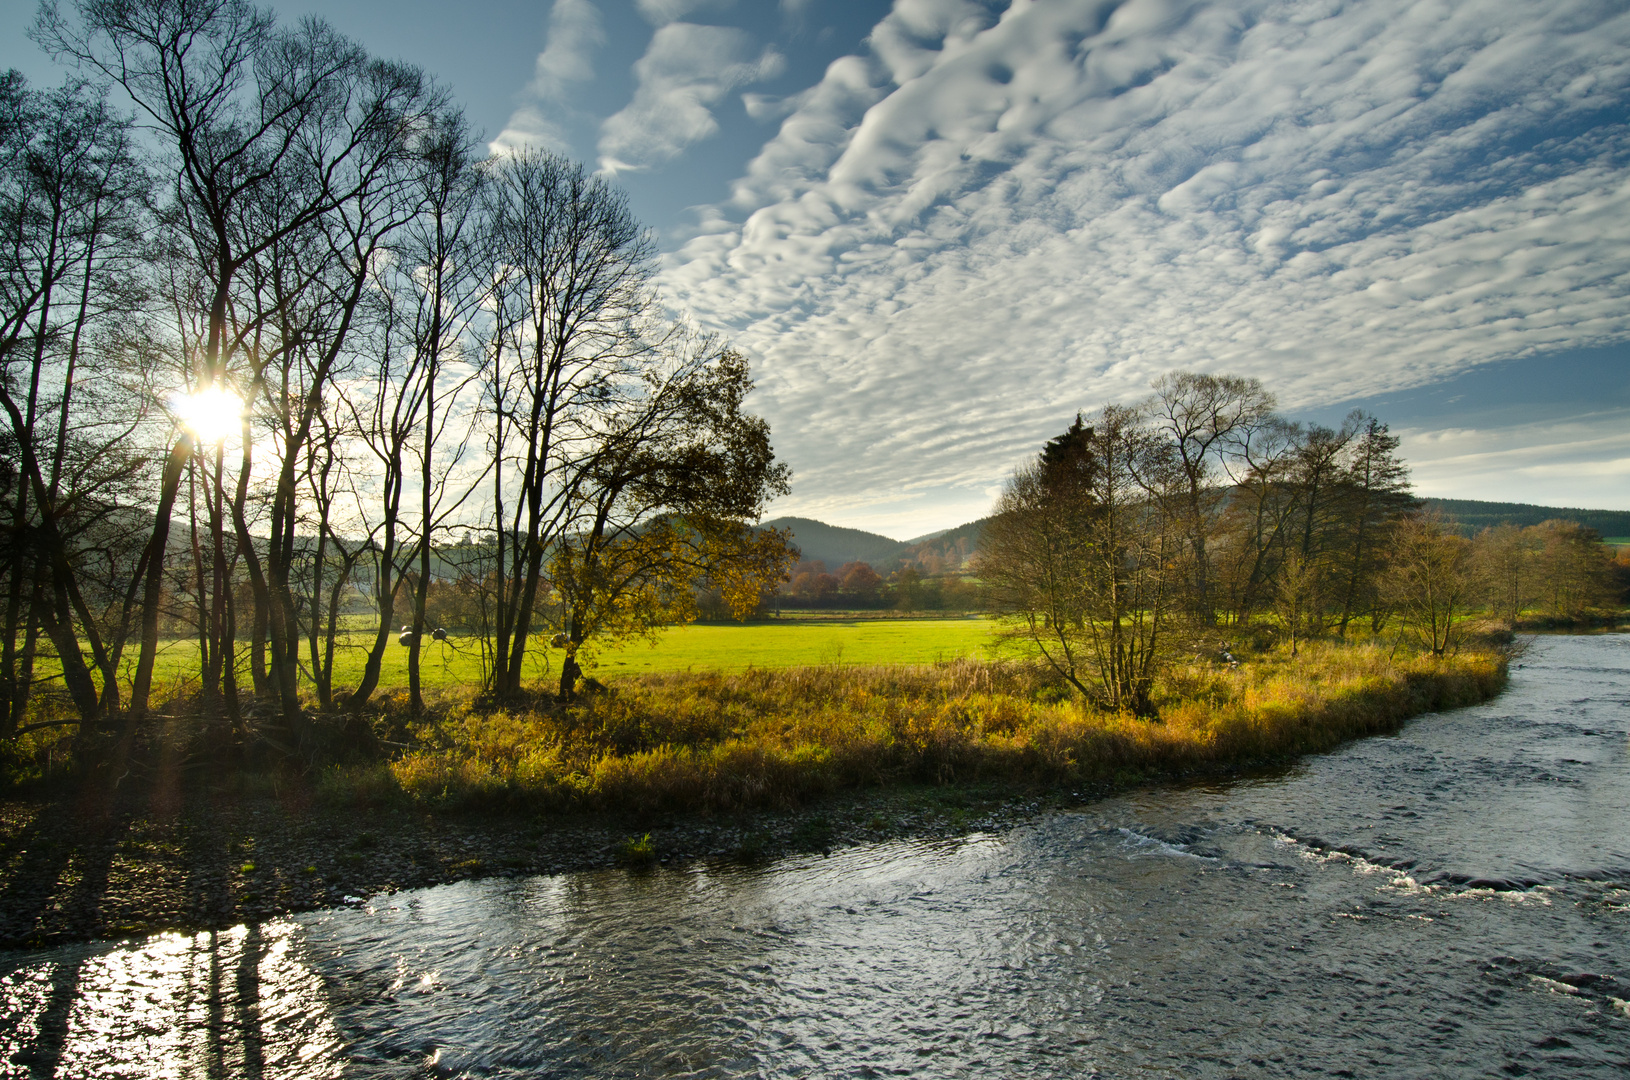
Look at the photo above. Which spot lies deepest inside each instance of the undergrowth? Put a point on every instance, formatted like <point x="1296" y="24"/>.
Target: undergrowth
<point x="689" y="741"/>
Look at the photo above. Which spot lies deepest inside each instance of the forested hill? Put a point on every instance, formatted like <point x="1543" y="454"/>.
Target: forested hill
<point x="1473" y="514"/>
<point x="835" y="545"/>
<point x="950" y="549"/>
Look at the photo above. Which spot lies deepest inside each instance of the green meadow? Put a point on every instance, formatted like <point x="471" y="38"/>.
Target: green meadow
<point x="729" y="648"/>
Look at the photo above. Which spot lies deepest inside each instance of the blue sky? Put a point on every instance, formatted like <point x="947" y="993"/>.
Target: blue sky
<point x="940" y="227"/>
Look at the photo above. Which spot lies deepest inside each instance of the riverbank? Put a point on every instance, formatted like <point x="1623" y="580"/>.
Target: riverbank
<point x="742" y="767"/>
<point x="77" y="872"/>
<point x="730" y="741"/>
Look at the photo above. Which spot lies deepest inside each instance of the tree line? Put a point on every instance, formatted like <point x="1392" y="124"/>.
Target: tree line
<point x="283" y="331"/>
<point x="1199" y="519"/>
<point x="858" y="586"/>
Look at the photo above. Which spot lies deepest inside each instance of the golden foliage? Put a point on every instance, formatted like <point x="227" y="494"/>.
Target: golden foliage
<point x="707" y="740"/>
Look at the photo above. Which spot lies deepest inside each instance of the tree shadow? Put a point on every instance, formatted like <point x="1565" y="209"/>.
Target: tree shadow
<point x="44" y="1057"/>
<point x="32" y="892"/>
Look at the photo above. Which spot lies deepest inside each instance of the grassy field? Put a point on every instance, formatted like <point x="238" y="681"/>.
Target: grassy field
<point x="716" y="740"/>
<point x="782" y="643"/>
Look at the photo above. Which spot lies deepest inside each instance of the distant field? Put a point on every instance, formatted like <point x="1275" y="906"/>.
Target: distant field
<point x="730" y="647"/>
<point x="800" y="644"/>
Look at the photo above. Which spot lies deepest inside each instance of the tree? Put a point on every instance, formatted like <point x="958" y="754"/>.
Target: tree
<point x="1204" y="418"/>
<point x="860" y="581"/>
<point x="664" y="505"/>
<point x="418" y="422"/>
<point x="70" y="193"/>
<point x="1506" y="562"/>
<point x="1376" y="488"/>
<point x="1256" y="517"/>
<point x="1080" y="556"/>
<point x="574" y="324"/>
<point x="1573" y="569"/>
<point x="278" y="143"/>
<point x="1429" y="580"/>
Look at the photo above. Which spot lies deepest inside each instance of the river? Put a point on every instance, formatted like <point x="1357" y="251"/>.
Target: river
<point x="1450" y="901"/>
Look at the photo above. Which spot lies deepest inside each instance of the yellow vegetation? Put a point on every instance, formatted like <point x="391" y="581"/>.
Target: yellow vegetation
<point x="719" y="741"/>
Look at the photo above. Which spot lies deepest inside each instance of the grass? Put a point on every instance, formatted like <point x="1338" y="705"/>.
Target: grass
<point x="725" y="740"/>
<point x="733" y="647"/>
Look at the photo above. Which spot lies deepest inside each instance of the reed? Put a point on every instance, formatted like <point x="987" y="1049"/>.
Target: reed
<point x="717" y="741"/>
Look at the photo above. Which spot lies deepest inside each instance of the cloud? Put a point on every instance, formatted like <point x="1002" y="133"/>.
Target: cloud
<point x="685" y="71"/>
<point x="575" y="32"/>
<point x="981" y="224"/>
<point x="663" y="12"/>
<point x="1580" y="461"/>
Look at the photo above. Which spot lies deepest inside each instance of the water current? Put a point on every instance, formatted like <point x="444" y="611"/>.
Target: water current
<point x="1452" y="901"/>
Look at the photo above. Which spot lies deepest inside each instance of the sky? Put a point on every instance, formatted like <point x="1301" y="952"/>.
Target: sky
<point x="941" y="227"/>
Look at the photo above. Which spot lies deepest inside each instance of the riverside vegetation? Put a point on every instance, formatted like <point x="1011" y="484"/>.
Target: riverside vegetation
<point x="664" y="766"/>
<point x="716" y="741"/>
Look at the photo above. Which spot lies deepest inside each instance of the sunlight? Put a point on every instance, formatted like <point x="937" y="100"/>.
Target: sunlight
<point x="212" y="414"/>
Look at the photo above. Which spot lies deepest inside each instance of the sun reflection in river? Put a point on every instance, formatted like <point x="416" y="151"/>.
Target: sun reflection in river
<point x="238" y="1002"/>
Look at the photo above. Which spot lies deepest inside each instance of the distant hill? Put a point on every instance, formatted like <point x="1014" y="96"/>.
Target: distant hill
<point x="1473" y="514"/>
<point x="950" y="549"/>
<point x="835" y="545"/>
<point x="947" y="550"/>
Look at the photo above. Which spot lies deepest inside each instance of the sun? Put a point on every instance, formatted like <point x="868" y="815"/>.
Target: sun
<point x="212" y="414"/>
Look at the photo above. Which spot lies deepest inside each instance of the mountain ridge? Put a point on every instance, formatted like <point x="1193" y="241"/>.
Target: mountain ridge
<point x="950" y="549"/>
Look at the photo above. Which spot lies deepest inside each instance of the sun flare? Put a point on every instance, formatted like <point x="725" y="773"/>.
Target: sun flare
<point x="212" y="414"/>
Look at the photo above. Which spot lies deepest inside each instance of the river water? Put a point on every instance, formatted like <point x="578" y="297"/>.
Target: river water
<point x="1451" y="901"/>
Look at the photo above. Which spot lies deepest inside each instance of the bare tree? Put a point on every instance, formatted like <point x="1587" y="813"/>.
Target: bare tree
<point x="268" y="134"/>
<point x="1205" y="419"/>
<point x="1429" y="582"/>
<point x="449" y="279"/>
<point x="574" y="313"/>
<point x="69" y="196"/>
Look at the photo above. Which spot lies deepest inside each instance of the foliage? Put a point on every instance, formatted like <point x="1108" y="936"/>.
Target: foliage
<point x="762" y="738"/>
<point x="1080" y="555"/>
<point x="1429" y="581"/>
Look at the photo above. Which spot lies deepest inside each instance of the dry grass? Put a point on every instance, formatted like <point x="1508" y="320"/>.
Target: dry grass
<point x="757" y="738"/>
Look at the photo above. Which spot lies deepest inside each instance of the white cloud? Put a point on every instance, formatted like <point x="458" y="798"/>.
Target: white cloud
<point x="663" y="12"/>
<point x="964" y="235"/>
<point x="686" y="70"/>
<point x="1580" y="461"/>
<point x="575" y="32"/>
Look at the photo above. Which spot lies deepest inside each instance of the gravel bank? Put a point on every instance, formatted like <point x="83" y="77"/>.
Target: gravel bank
<point x="77" y="868"/>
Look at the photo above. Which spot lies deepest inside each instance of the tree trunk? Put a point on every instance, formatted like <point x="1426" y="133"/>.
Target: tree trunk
<point x="153" y="592"/>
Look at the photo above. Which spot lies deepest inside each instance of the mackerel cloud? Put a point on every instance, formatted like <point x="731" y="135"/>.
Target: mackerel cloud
<point x="984" y="221"/>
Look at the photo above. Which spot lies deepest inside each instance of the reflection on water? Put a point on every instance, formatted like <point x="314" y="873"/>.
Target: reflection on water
<point x="238" y="1003"/>
<point x="1339" y="919"/>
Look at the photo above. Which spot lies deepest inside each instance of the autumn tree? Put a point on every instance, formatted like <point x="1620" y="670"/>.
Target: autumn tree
<point x="1429" y="581"/>
<point x="1080" y="556"/>
<point x="665" y="504"/>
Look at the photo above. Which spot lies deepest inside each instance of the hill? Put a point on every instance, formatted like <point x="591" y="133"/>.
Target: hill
<point x="950" y="549"/>
<point x="947" y="550"/>
<point x="1474" y="514"/>
<point x="835" y="545"/>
